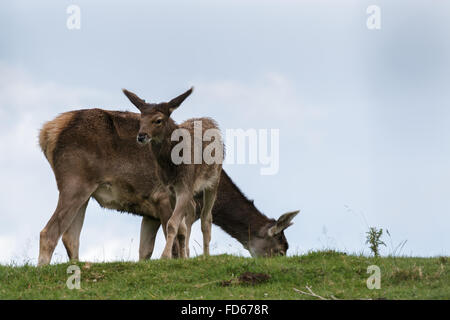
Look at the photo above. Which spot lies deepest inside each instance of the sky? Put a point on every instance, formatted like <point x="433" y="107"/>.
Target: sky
<point x="363" y="114"/>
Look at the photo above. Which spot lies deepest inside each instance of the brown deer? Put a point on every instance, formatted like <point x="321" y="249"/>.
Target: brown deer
<point x="186" y="179"/>
<point x="238" y="216"/>
<point x="93" y="154"/>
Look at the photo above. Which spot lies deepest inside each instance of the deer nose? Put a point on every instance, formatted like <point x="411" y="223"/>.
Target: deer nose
<point x="141" y="137"/>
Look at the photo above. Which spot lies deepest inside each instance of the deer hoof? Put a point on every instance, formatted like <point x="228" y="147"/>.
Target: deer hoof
<point x="166" y="256"/>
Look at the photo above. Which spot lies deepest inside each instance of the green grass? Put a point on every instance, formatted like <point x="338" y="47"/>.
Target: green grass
<point x="327" y="273"/>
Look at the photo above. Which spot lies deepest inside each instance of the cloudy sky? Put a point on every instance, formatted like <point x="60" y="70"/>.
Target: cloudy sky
<point x="364" y="115"/>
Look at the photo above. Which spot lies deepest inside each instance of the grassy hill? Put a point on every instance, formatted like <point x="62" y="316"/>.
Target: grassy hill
<point x="330" y="275"/>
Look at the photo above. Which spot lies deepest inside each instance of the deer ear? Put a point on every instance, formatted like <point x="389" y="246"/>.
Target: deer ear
<point x="138" y="102"/>
<point x="176" y="102"/>
<point x="282" y="223"/>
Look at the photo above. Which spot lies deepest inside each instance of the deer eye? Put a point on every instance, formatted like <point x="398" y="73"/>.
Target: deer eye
<point x="158" y="121"/>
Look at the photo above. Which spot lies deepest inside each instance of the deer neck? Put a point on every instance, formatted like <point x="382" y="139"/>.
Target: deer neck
<point x="162" y="151"/>
<point x="236" y="215"/>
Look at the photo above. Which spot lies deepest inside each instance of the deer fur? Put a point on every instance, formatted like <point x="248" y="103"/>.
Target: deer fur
<point x="183" y="180"/>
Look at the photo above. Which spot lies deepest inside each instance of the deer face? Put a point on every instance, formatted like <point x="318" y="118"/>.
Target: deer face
<point x="271" y="240"/>
<point x="155" y="124"/>
<point x="269" y="246"/>
<point x="153" y="127"/>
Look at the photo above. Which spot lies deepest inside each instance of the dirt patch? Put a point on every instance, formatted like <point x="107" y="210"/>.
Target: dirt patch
<point x="247" y="278"/>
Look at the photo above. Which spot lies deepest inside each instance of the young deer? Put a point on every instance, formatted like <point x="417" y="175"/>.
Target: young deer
<point x="186" y="179"/>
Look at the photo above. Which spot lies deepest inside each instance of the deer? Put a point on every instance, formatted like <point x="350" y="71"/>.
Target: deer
<point x="238" y="216"/>
<point x="93" y="154"/>
<point x="186" y="179"/>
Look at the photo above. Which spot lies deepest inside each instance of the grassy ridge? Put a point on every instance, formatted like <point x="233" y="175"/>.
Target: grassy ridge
<point x="326" y="273"/>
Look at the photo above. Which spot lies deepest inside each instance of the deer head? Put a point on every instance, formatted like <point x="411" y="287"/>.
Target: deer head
<point x="155" y="124"/>
<point x="271" y="240"/>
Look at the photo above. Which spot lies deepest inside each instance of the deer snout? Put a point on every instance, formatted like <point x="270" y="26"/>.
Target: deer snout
<point x="142" y="138"/>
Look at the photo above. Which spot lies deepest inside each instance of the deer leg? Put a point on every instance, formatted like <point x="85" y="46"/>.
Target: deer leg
<point x="181" y="237"/>
<point x="184" y="230"/>
<point x="179" y="246"/>
<point x="189" y="219"/>
<point x="209" y="197"/>
<point x="165" y="209"/>
<point x="149" y="229"/>
<point x="175" y="247"/>
<point x="169" y="206"/>
<point x="71" y="237"/>
<point x="182" y="200"/>
<point x="71" y="199"/>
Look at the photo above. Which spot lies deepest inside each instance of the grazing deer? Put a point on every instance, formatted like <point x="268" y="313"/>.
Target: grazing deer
<point x="238" y="216"/>
<point x="184" y="180"/>
<point x="93" y="154"/>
